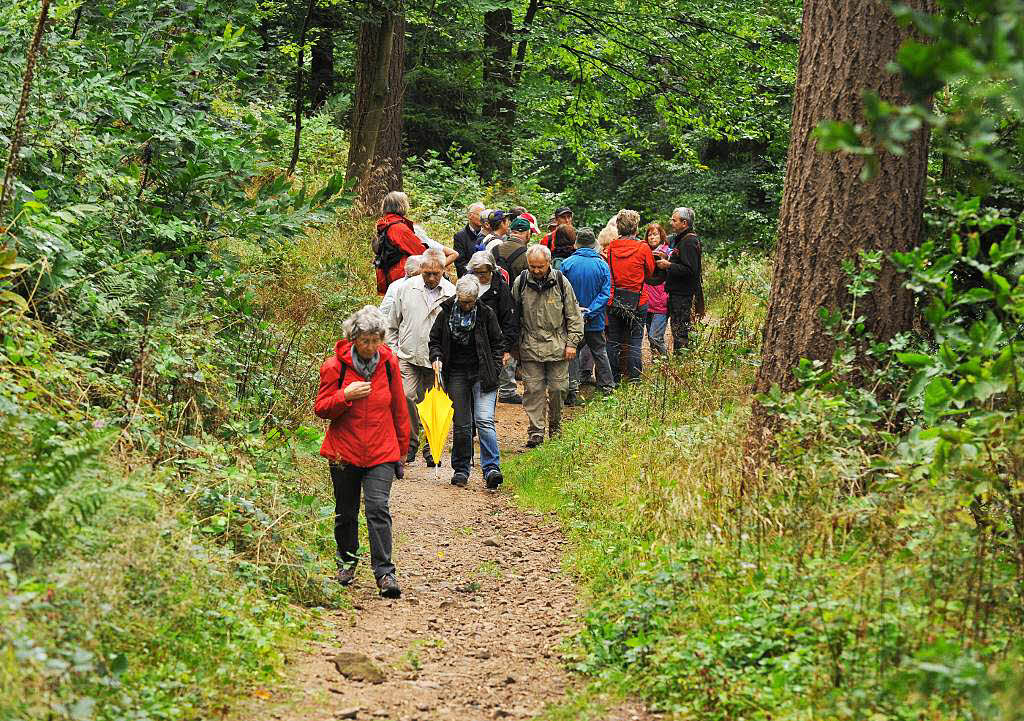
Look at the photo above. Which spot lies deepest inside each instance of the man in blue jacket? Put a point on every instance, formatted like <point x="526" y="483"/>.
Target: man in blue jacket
<point x="591" y="280"/>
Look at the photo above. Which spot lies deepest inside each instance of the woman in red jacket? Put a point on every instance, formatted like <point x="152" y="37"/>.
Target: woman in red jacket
<point x="396" y="240"/>
<point x="361" y="395"/>
<point x="632" y="263"/>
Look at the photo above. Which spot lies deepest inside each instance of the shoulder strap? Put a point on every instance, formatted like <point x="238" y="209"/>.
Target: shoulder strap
<point x="344" y="369"/>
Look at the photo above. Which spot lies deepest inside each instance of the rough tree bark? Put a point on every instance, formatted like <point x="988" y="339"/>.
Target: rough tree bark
<point x="321" y="78"/>
<point x="827" y="214"/>
<point x="498" y="66"/>
<point x="375" y="150"/>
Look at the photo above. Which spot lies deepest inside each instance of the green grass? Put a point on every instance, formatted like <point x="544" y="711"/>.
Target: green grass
<point x="714" y="595"/>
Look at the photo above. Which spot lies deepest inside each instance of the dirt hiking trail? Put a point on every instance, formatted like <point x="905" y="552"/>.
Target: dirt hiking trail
<point x="477" y="632"/>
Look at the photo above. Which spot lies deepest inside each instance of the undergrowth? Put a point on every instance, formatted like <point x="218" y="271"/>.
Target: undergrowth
<point x="846" y="581"/>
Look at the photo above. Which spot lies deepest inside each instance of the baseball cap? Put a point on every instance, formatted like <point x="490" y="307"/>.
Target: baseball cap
<point x="520" y="224"/>
<point x="532" y="220"/>
<point x="496" y="217"/>
<point x="563" y="211"/>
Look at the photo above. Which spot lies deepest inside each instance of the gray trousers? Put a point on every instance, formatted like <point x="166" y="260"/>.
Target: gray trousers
<point x="416" y="381"/>
<point x="375" y="485"/>
<point x="594" y="341"/>
<point x="546" y="384"/>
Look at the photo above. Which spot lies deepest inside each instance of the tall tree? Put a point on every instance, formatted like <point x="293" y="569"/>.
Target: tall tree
<point x="828" y="214"/>
<point x="375" y="150"/>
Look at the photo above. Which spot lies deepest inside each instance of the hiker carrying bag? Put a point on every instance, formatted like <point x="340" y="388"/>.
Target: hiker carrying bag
<point x="625" y="303"/>
<point x="386" y="253"/>
<point x="507" y="263"/>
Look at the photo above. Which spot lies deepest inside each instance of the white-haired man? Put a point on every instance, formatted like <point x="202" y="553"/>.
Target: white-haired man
<point x="551" y="328"/>
<point x="466" y="240"/>
<point x="416" y="306"/>
<point x="684" y="283"/>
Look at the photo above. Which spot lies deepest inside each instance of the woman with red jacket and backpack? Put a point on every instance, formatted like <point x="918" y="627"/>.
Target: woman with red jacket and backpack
<point x="632" y="265"/>
<point x="396" y="240"/>
<point x="361" y="395"/>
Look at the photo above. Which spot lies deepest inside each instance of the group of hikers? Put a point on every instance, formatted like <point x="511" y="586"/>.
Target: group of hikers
<point x="567" y="310"/>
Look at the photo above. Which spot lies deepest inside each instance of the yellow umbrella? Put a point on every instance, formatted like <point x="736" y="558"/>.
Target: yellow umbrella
<point x="436" y="414"/>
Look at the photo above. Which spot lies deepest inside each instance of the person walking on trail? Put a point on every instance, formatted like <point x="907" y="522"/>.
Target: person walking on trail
<point x="591" y="281"/>
<point x="657" y="297"/>
<point x="412" y="269"/>
<point x="466" y="240"/>
<point x="416" y="306"/>
<point x="500" y="223"/>
<point x="551" y="328"/>
<point x="631" y="263"/>
<point x="396" y="240"/>
<point x="466" y="347"/>
<point x="684" y="278"/>
<point x="361" y="395"/>
<point x="511" y="253"/>
<point x="496" y="293"/>
<point x="562" y="216"/>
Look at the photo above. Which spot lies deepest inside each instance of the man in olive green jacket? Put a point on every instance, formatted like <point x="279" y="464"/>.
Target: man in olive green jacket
<point x="551" y="326"/>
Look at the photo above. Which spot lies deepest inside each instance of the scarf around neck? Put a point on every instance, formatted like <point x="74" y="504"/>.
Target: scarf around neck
<point x="461" y="323"/>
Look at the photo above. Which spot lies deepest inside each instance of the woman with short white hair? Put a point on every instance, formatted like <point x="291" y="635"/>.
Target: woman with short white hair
<point x="466" y="349"/>
<point x="368" y="436"/>
<point x="632" y="265"/>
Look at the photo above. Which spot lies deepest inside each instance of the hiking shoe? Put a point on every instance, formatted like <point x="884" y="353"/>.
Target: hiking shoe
<point x="460" y="479"/>
<point x="493" y="479"/>
<point x="429" y="458"/>
<point x="517" y="399"/>
<point x="410" y="457"/>
<point x="389" y="586"/>
<point x="346" y="575"/>
<point x="535" y="441"/>
<point x="573" y="399"/>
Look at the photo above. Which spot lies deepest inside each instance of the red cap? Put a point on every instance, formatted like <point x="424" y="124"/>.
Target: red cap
<point x="533" y="222"/>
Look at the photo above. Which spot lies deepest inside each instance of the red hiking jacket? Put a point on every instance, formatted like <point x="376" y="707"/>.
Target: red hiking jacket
<point x="631" y="261"/>
<point x="404" y="238"/>
<point x="368" y="431"/>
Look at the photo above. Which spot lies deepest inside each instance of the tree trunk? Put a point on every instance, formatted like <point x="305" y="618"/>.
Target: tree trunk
<point x="375" y="150"/>
<point x="498" y="64"/>
<point x="299" y="97"/>
<point x="827" y="213"/>
<point x="321" y="78"/>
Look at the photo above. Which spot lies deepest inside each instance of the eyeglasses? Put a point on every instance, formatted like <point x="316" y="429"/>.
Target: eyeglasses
<point x="483" y="272"/>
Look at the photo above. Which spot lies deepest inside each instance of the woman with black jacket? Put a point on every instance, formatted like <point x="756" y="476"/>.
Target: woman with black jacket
<point x="496" y="292"/>
<point x="466" y="349"/>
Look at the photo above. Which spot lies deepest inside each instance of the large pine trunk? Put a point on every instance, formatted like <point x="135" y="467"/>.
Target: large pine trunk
<point x="375" y="150"/>
<point x="827" y="213"/>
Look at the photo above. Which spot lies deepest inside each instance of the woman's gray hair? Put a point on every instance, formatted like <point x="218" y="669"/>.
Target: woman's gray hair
<point x="585" y="238"/>
<point x="468" y="287"/>
<point x="412" y="264"/>
<point x="395" y="202"/>
<point x="626" y="222"/>
<point x="542" y="250"/>
<point x="479" y="260"/>
<point x="368" y="320"/>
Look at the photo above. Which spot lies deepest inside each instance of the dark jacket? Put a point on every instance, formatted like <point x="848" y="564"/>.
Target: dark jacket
<point x="499" y="298"/>
<point x="684" y="270"/>
<point x="489" y="345"/>
<point x="465" y="242"/>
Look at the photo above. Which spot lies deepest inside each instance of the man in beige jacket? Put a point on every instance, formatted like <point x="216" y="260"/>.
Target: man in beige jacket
<point x="415" y="307"/>
<point x="551" y="326"/>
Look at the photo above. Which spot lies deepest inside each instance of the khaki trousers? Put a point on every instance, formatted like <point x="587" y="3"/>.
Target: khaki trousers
<point x="416" y="381"/>
<point x="546" y="383"/>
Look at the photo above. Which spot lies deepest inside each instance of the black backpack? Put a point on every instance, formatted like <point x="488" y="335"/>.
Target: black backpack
<point x="386" y="253"/>
<point x="506" y="263"/>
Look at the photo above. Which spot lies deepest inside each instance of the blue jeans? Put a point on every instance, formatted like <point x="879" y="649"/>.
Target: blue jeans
<point x="656" y="323"/>
<point x="473" y="407"/>
<point x="621" y="333"/>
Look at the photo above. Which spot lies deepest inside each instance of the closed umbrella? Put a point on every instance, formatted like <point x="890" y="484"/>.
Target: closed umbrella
<point x="436" y="414"/>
